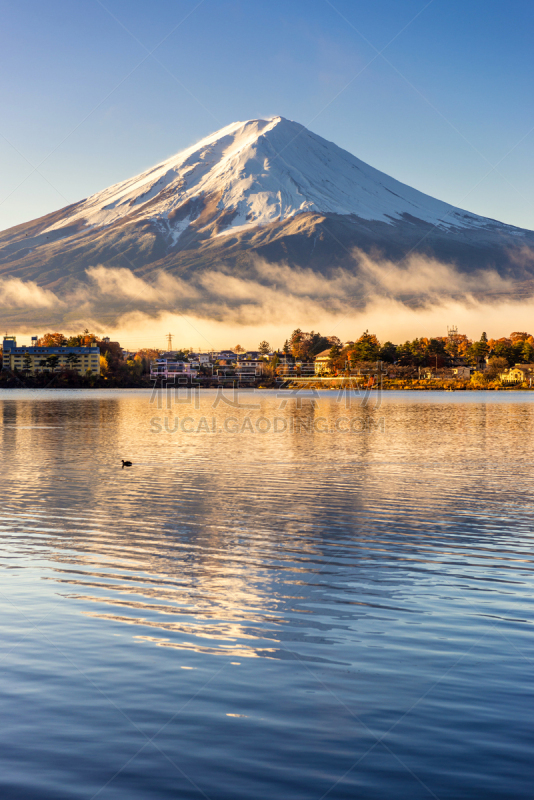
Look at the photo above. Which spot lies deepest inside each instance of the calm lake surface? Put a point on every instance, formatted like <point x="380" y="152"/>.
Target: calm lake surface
<point x="315" y="598"/>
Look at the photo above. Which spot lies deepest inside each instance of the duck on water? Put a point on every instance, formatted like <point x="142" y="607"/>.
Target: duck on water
<point x="126" y="463"/>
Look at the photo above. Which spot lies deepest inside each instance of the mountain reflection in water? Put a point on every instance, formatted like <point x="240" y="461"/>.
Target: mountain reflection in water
<point x="335" y="604"/>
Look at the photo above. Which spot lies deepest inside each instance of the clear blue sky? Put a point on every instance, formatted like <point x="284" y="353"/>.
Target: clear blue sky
<point x="437" y="94"/>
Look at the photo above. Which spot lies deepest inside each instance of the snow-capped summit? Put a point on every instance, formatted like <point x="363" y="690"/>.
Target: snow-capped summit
<point x="268" y="188"/>
<point x="259" y="172"/>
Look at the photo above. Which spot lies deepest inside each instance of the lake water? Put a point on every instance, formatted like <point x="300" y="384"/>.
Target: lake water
<point x="327" y="597"/>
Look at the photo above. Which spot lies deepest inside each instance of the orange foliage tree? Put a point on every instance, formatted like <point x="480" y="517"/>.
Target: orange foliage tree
<point x="520" y="336"/>
<point x="148" y="352"/>
<point x="52" y="340"/>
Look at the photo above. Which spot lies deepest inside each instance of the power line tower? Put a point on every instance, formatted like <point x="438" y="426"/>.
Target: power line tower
<point x="169" y="342"/>
<point x="453" y="342"/>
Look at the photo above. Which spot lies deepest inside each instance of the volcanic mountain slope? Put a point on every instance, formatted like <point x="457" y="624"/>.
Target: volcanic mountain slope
<point x="268" y="188"/>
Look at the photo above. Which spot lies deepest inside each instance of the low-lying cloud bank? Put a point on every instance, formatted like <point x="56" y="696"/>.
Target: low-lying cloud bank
<point x="396" y="302"/>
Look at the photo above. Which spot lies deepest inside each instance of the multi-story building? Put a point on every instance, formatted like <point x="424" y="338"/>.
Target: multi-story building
<point x="35" y="359"/>
<point x="288" y="366"/>
<point x="250" y="368"/>
<point x="164" y="368"/>
<point x="521" y="373"/>
<point x="323" y="361"/>
<point x="199" y="360"/>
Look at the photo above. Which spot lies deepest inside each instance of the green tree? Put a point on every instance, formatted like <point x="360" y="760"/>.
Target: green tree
<point x="479" y="350"/>
<point x="419" y="348"/>
<point x="26" y="362"/>
<point x="334" y="360"/>
<point x="496" y="365"/>
<point x="335" y="351"/>
<point x="503" y="349"/>
<point x="152" y="355"/>
<point x="333" y="340"/>
<point x="295" y="342"/>
<point x="436" y="354"/>
<point x="516" y="351"/>
<point x="73" y="360"/>
<point x="52" y="362"/>
<point x="367" y="348"/>
<point x="388" y="352"/>
<point x="405" y="356"/>
<point x="264" y="348"/>
<point x="135" y="368"/>
<point x="527" y="353"/>
<point x="316" y="344"/>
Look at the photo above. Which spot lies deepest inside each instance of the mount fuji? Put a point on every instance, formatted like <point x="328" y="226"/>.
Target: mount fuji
<point x="262" y="188"/>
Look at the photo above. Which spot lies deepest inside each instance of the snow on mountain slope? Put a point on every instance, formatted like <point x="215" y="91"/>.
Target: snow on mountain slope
<point x="263" y="171"/>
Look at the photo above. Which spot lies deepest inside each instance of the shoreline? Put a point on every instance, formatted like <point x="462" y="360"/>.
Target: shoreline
<point x="292" y="384"/>
<point x="285" y="388"/>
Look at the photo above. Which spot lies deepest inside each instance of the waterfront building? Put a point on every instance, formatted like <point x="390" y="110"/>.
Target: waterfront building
<point x="249" y="369"/>
<point x="291" y="367"/>
<point x="199" y="358"/>
<point x="35" y="359"/>
<point x="462" y="372"/>
<point x="519" y="374"/>
<point x="164" y="368"/>
<point x="322" y="362"/>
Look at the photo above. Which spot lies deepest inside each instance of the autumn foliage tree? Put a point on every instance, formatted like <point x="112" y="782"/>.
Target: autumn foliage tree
<point x="112" y="351"/>
<point x="305" y="345"/>
<point x="52" y="340"/>
<point x="148" y="354"/>
<point x="520" y="336"/>
<point x="81" y="339"/>
<point x="496" y="365"/>
<point x="295" y="343"/>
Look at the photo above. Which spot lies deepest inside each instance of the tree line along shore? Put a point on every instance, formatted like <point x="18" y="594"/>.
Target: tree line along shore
<point x="306" y="358"/>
